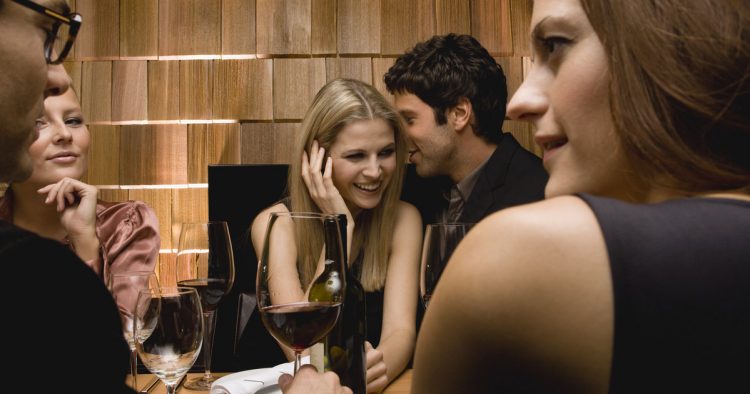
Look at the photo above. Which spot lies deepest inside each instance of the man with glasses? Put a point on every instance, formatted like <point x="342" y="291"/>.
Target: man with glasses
<point x="64" y="312"/>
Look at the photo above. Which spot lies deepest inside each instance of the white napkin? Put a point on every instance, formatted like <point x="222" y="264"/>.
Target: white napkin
<point x="249" y="382"/>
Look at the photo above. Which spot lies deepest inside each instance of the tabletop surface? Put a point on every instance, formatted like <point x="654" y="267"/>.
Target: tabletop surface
<point x="402" y="384"/>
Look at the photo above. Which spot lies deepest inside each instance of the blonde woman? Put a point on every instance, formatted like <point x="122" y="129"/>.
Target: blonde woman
<point x="349" y="160"/>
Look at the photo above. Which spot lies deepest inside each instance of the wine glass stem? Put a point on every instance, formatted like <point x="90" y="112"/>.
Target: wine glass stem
<point x="171" y="388"/>
<point x="297" y="361"/>
<point x="134" y="368"/>
<point x="209" y="319"/>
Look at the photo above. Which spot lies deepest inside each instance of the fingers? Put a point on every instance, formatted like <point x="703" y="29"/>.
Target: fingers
<point x="284" y="381"/>
<point x="65" y="192"/>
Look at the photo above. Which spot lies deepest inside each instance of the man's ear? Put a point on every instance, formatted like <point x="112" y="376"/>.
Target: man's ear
<point x="460" y="115"/>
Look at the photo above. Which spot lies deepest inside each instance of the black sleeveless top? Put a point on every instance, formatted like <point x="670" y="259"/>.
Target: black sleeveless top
<point x="681" y="281"/>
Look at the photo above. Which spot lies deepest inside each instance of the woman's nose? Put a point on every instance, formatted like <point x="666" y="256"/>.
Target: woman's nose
<point x="530" y="101"/>
<point x="372" y="169"/>
<point x="62" y="134"/>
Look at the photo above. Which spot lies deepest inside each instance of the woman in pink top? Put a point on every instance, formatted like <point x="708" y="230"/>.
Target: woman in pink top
<point x="54" y="203"/>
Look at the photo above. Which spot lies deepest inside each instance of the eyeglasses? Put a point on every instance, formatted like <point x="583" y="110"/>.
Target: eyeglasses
<point x="62" y="35"/>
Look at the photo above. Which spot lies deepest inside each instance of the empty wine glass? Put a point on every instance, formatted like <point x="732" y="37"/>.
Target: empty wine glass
<point x="440" y="240"/>
<point x="168" y="332"/>
<point x="124" y="287"/>
<point x="205" y="262"/>
<point x="286" y="273"/>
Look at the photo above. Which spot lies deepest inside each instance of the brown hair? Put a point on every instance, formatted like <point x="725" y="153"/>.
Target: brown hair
<point x="680" y="88"/>
<point x="339" y="103"/>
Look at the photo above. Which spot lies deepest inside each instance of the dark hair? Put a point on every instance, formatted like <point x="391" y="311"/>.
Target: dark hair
<point x="680" y="88"/>
<point x="444" y="69"/>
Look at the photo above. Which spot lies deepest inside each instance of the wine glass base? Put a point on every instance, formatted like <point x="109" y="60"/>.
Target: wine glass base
<point x="200" y="384"/>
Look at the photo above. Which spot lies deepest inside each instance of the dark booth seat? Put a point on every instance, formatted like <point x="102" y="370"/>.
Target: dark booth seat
<point x="236" y="194"/>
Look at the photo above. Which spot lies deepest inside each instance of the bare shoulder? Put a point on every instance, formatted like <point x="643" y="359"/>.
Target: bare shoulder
<point x="258" y="227"/>
<point x="408" y="212"/>
<point x="529" y="288"/>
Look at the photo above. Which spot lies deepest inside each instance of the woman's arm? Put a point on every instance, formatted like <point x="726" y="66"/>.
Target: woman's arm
<point x="525" y="304"/>
<point x="76" y="203"/>
<point x="286" y="279"/>
<point x="400" y="305"/>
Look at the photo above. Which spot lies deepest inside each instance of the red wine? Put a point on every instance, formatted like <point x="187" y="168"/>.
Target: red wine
<point x="301" y="324"/>
<point x="209" y="290"/>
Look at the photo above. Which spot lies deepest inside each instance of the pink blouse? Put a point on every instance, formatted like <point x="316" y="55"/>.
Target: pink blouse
<point x="128" y="235"/>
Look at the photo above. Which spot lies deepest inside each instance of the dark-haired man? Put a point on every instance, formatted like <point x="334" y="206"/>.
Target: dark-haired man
<point x="63" y="312"/>
<point x="452" y="95"/>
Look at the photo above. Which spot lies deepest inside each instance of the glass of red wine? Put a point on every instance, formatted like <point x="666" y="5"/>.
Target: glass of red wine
<point x="300" y="286"/>
<point x="440" y="240"/>
<point x="205" y="262"/>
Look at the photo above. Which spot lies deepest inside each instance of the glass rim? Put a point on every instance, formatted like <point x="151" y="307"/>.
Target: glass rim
<point x="168" y="290"/>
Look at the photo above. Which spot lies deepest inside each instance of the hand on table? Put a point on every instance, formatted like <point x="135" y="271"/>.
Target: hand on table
<point x="377" y="378"/>
<point x="308" y="380"/>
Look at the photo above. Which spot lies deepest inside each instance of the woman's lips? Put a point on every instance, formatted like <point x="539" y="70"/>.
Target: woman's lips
<point x="63" y="158"/>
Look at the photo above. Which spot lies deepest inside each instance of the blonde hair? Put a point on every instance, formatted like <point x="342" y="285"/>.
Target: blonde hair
<point x="339" y="103"/>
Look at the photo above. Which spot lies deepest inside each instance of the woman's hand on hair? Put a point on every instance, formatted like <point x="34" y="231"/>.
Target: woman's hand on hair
<point x="320" y="182"/>
<point x="76" y="203"/>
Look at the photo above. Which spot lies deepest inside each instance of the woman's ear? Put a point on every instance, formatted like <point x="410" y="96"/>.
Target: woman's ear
<point x="460" y="114"/>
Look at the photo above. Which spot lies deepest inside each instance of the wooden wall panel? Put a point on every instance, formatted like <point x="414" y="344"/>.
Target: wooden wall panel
<point x="104" y="155"/>
<point x="96" y="91"/>
<point x="73" y="69"/>
<point x="237" y="27"/>
<point x="380" y="66"/>
<point x="163" y="90"/>
<point x="243" y="89"/>
<point x="513" y="69"/>
<point x="160" y="200"/>
<point x="114" y="195"/>
<point x="358" y="26"/>
<point x="188" y="206"/>
<point x="139" y="29"/>
<point x="524" y="134"/>
<point x="295" y="83"/>
<point x="196" y="145"/>
<point x="283" y="27"/>
<point x="323" y="27"/>
<point x="189" y="27"/>
<point x="490" y="24"/>
<point x="99" y="36"/>
<point x="349" y="67"/>
<point x="129" y="90"/>
<point x="452" y="16"/>
<point x="520" y="18"/>
<point x="196" y="87"/>
<point x="224" y="144"/>
<point x="268" y="143"/>
<point x="153" y="154"/>
<point x="166" y="269"/>
<point x="404" y="23"/>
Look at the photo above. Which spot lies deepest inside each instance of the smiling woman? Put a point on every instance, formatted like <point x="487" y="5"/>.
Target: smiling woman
<point x="350" y="160"/>
<point x="54" y="203"/>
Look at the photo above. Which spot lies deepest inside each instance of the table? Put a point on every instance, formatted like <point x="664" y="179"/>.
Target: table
<point x="402" y="384"/>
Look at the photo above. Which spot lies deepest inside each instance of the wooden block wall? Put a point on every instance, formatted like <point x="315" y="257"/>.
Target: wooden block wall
<point x="170" y="86"/>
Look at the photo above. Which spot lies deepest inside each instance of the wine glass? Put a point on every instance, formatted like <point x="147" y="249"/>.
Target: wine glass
<point x="296" y="308"/>
<point x="205" y="262"/>
<point x="440" y="240"/>
<point x="168" y="332"/>
<point x="124" y="287"/>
